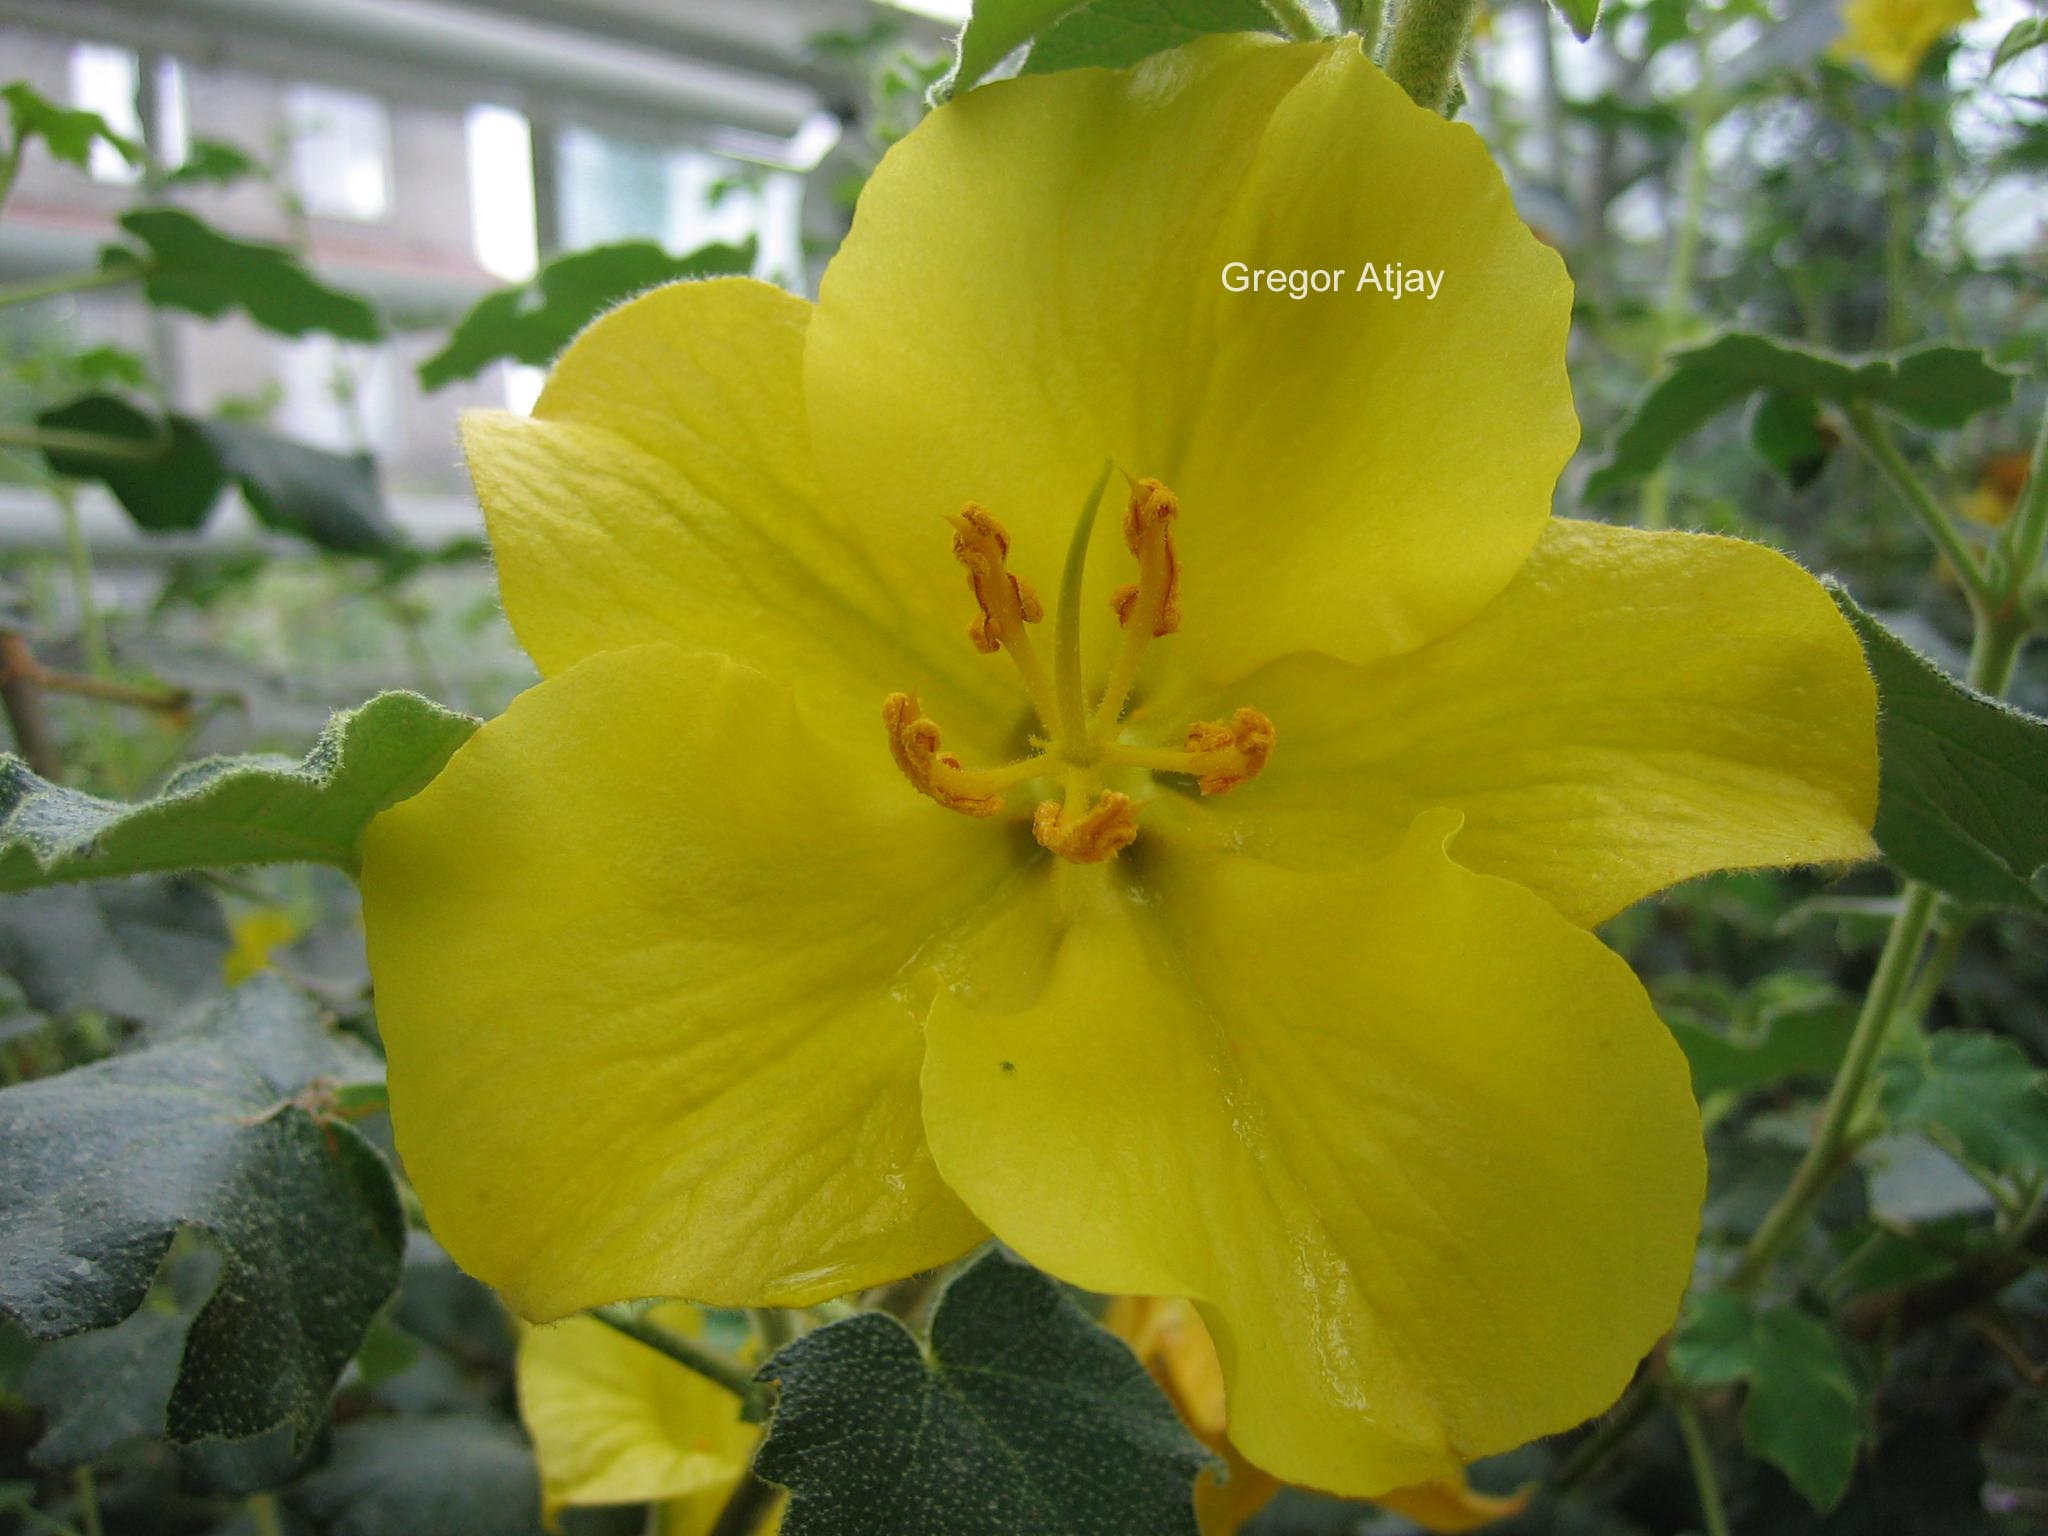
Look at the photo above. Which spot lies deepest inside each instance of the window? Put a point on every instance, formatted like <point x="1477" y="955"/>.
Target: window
<point x="107" y="80"/>
<point x="340" y="152"/>
<point x="104" y="80"/>
<point x="683" y="198"/>
<point x="501" y="192"/>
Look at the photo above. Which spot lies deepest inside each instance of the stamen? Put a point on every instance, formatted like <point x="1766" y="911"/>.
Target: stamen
<point x="1105" y="830"/>
<point x="1007" y="602"/>
<point x="1149" y="607"/>
<point x="1220" y="755"/>
<point x="914" y="744"/>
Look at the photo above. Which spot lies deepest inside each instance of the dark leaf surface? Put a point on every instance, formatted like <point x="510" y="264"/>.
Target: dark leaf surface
<point x="1025" y="1419"/>
<point x="193" y="266"/>
<point x="141" y="948"/>
<point x="207" y="1133"/>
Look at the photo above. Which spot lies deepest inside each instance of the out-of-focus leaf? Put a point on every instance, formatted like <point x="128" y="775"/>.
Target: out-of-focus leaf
<point x="170" y="481"/>
<point x="1794" y="1042"/>
<point x="1934" y="386"/>
<point x="167" y="472"/>
<point x="2021" y="37"/>
<point x="1021" y="1416"/>
<point x="259" y="809"/>
<point x="1785" y="432"/>
<point x="213" y="162"/>
<point x="1579" y="15"/>
<point x="1962" y="782"/>
<point x="1116" y="33"/>
<point x="193" y="266"/>
<point x="531" y="322"/>
<point x="448" y="1475"/>
<point x="330" y="499"/>
<point x="1804" y="1413"/>
<point x="213" y="1133"/>
<point x="1975" y="1092"/>
<point x="142" y="949"/>
<point x="69" y="131"/>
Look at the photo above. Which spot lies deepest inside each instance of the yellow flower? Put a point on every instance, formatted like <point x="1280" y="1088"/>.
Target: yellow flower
<point x="2000" y="479"/>
<point x="255" y="938"/>
<point x="1890" y="37"/>
<point x="1229" y="939"/>
<point x="1166" y="1333"/>
<point x="614" y="1422"/>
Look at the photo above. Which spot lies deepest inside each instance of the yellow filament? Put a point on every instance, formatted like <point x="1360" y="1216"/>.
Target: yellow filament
<point x="1220" y="754"/>
<point x="914" y="744"/>
<point x="1149" y="607"/>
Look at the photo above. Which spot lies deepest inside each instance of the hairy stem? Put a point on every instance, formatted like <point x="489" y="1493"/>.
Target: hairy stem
<point x="72" y="282"/>
<point x="1294" y="19"/>
<point x="1699" y="1455"/>
<point x="1871" y="434"/>
<point x="1429" y="39"/>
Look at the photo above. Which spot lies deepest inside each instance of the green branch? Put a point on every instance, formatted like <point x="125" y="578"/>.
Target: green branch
<point x="1429" y="40"/>
<point x="1294" y="19"/>
<point x="1871" y="433"/>
<point x="713" y="1366"/>
<point x="73" y="282"/>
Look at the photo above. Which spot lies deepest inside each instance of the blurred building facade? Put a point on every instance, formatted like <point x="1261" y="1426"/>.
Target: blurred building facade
<point x="422" y="152"/>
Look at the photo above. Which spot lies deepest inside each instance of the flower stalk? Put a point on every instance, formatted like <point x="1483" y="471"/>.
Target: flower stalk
<point x="1429" y="39"/>
<point x="713" y="1366"/>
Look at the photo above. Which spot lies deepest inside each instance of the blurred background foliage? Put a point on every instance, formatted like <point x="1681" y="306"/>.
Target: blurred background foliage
<point x="250" y="271"/>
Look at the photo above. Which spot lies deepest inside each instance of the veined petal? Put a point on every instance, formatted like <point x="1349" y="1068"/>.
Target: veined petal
<point x="1417" y="1147"/>
<point x="663" y="491"/>
<point x="1634" y="710"/>
<point x="615" y="1422"/>
<point x="636" y="953"/>
<point x="1034" y="281"/>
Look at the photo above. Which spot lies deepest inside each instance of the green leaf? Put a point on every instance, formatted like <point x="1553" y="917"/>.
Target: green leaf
<point x="142" y="949"/>
<point x="997" y="29"/>
<point x="192" y="266"/>
<point x="330" y="499"/>
<point x="1804" y="1039"/>
<point x="532" y="322"/>
<point x="171" y="488"/>
<point x="108" y="1163"/>
<point x="1973" y="1092"/>
<point x="448" y="1475"/>
<point x="1962" y="778"/>
<point x="1114" y="34"/>
<point x="2022" y="37"/>
<point x="68" y="131"/>
<point x="98" y="1391"/>
<point x="214" y="162"/>
<point x="1785" y="432"/>
<point x="1022" y="1416"/>
<point x="1804" y="1413"/>
<point x="1579" y="15"/>
<point x="260" y="809"/>
<point x="1934" y="386"/>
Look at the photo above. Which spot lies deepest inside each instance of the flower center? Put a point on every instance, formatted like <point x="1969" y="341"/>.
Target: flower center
<point x="1076" y="744"/>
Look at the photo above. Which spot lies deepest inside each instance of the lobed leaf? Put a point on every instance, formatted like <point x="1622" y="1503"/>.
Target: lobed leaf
<point x="1579" y="15"/>
<point x="1973" y="1091"/>
<point x="1962" y="778"/>
<point x="259" y="809"/>
<point x="1804" y="1413"/>
<point x="1934" y="386"/>
<point x="70" y="132"/>
<point x="1023" y="1416"/>
<point x="193" y="266"/>
<point x="144" y="948"/>
<point x="532" y="322"/>
<point x="207" y="1133"/>
<point x="2021" y="37"/>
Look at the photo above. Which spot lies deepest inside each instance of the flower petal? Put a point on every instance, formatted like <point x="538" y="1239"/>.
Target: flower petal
<point x="663" y="491"/>
<point x="1034" y="281"/>
<point x="1417" y="1147"/>
<point x="615" y="1422"/>
<point x="635" y="952"/>
<point x="1634" y="710"/>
